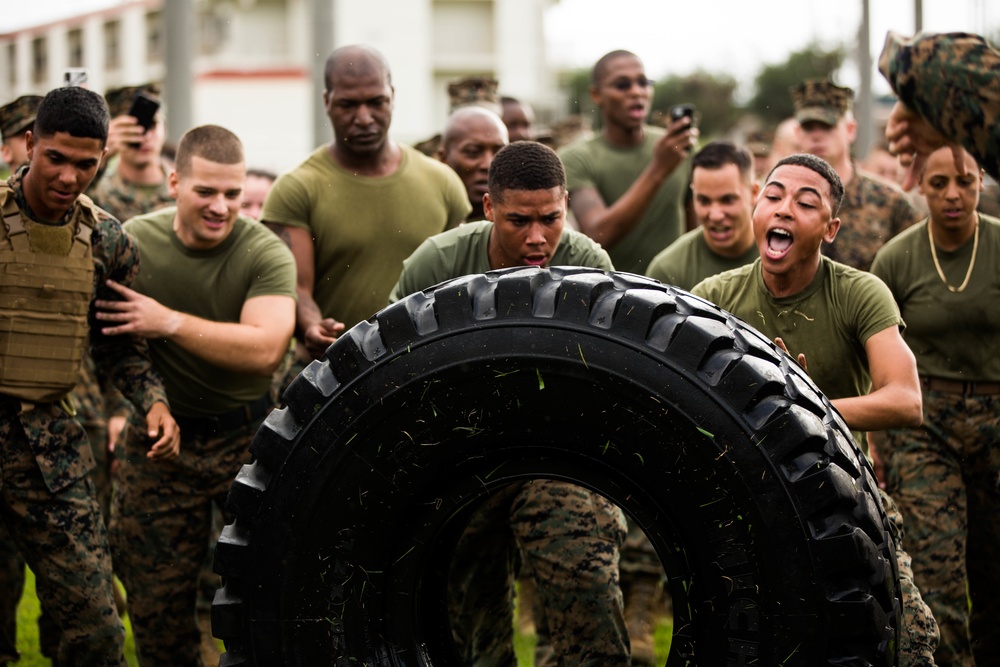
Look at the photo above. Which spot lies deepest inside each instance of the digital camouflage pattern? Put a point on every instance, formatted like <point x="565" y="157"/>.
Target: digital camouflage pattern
<point x="873" y="212"/>
<point x="89" y="403"/>
<point x="919" y="635"/>
<point x="474" y="91"/>
<point x="125" y="200"/>
<point x="951" y="80"/>
<point x="568" y="539"/>
<point x="18" y="116"/>
<point x="61" y="535"/>
<point x="945" y="477"/>
<point x="816" y="99"/>
<point x="160" y="532"/>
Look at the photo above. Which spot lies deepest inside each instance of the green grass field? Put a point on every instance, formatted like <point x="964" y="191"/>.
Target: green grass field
<point x="27" y="636"/>
<point x="27" y="631"/>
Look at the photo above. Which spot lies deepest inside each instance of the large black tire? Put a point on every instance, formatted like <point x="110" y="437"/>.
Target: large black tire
<point x="765" y="515"/>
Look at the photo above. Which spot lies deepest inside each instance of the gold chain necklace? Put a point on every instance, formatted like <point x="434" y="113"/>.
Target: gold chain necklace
<point x="972" y="262"/>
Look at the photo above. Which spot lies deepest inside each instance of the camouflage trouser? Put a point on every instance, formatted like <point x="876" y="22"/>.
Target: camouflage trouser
<point x="62" y="537"/>
<point x="569" y="539"/>
<point x="918" y="638"/>
<point x="945" y="477"/>
<point x="638" y="554"/>
<point x="11" y="588"/>
<point x="160" y="532"/>
<point x="12" y="565"/>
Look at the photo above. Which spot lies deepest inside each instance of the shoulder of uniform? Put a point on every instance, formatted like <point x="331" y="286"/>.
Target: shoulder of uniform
<point x="94" y="214"/>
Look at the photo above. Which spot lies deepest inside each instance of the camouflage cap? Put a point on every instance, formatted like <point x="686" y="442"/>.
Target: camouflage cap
<point x="474" y="91"/>
<point x="758" y="142"/>
<point x="120" y="99"/>
<point x="820" y="100"/>
<point x="18" y="116"/>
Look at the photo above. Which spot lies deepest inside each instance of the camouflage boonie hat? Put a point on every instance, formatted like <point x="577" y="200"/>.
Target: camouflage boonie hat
<point x="18" y="116"/>
<point x="120" y="99"/>
<point x="821" y="100"/>
<point x="759" y="142"/>
<point x="474" y="91"/>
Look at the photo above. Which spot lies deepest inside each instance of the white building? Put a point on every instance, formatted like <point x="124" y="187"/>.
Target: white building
<point x="253" y="62"/>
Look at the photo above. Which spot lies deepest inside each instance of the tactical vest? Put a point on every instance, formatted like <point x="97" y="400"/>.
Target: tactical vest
<point x="46" y="286"/>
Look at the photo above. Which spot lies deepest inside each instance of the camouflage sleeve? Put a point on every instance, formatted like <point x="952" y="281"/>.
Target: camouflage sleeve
<point x="123" y="359"/>
<point x="951" y="80"/>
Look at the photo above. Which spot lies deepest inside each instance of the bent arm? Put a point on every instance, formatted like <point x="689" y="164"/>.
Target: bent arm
<point x="609" y="224"/>
<point x="894" y="400"/>
<point x="255" y="344"/>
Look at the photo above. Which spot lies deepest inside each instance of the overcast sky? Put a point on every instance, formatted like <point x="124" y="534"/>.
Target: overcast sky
<point x="680" y="36"/>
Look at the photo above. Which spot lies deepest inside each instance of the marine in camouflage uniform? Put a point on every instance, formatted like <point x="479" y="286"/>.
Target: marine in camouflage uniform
<point x="116" y="193"/>
<point x="126" y="200"/>
<point x="874" y="210"/>
<point x="47" y="496"/>
<point x="950" y="79"/>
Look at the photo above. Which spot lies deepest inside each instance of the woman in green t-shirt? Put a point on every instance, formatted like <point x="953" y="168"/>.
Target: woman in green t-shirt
<point x="944" y="475"/>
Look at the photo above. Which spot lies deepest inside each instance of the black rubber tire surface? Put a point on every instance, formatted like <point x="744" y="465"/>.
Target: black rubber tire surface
<point x="765" y="515"/>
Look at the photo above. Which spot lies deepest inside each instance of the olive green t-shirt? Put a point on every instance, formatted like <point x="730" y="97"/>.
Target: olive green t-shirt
<point x="464" y="250"/>
<point x="594" y="163"/>
<point x="689" y="260"/>
<point x="213" y="285"/>
<point x="830" y="321"/>
<point x="952" y="335"/>
<point x="363" y="228"/>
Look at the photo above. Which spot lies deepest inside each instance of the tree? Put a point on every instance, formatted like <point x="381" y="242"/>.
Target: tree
<point x="772" y="101"/>
<point x="710" y="93"/>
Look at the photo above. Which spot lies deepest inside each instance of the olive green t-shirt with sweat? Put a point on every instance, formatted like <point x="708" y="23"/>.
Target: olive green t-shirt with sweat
<point x="689" y="260"/>
<point x="611" y="170"/>
<point x="464" y="250"/>
<point x="211" y="284"/>
<point x="953" y="335"/>
<point x="829" y="321"/>
<point x="363" y="228"/>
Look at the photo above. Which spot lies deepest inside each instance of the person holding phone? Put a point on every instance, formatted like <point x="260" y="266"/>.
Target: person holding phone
<point x="136" y="182"/>
<point x="625" y="189"/>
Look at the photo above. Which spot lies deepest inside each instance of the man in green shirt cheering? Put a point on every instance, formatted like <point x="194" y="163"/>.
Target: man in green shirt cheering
<point x="840" y="323"/>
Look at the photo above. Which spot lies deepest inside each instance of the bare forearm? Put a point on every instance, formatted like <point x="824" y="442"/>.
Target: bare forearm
<point x="610" y="225"/>
<point x="243" y="348"/>
<point x="886" y="408"/>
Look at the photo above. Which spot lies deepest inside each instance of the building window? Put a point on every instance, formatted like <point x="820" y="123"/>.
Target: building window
<point x="12" y="64"/>
<point x="154" y="37"/>
<point x="112" y="45"/>
<point x="74" y="44"/>
<point x="213" y="33"/>
<point x="39" y="60"/>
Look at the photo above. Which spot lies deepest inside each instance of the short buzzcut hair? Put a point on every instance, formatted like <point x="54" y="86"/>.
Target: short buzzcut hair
<point x="76" y="111"/>
<point x="597" y="73"/>
<point x="525" y="165"/>
<point x="209" y="142"/>
<point x="718" y="154"/>
<point x="821" y="167"/>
